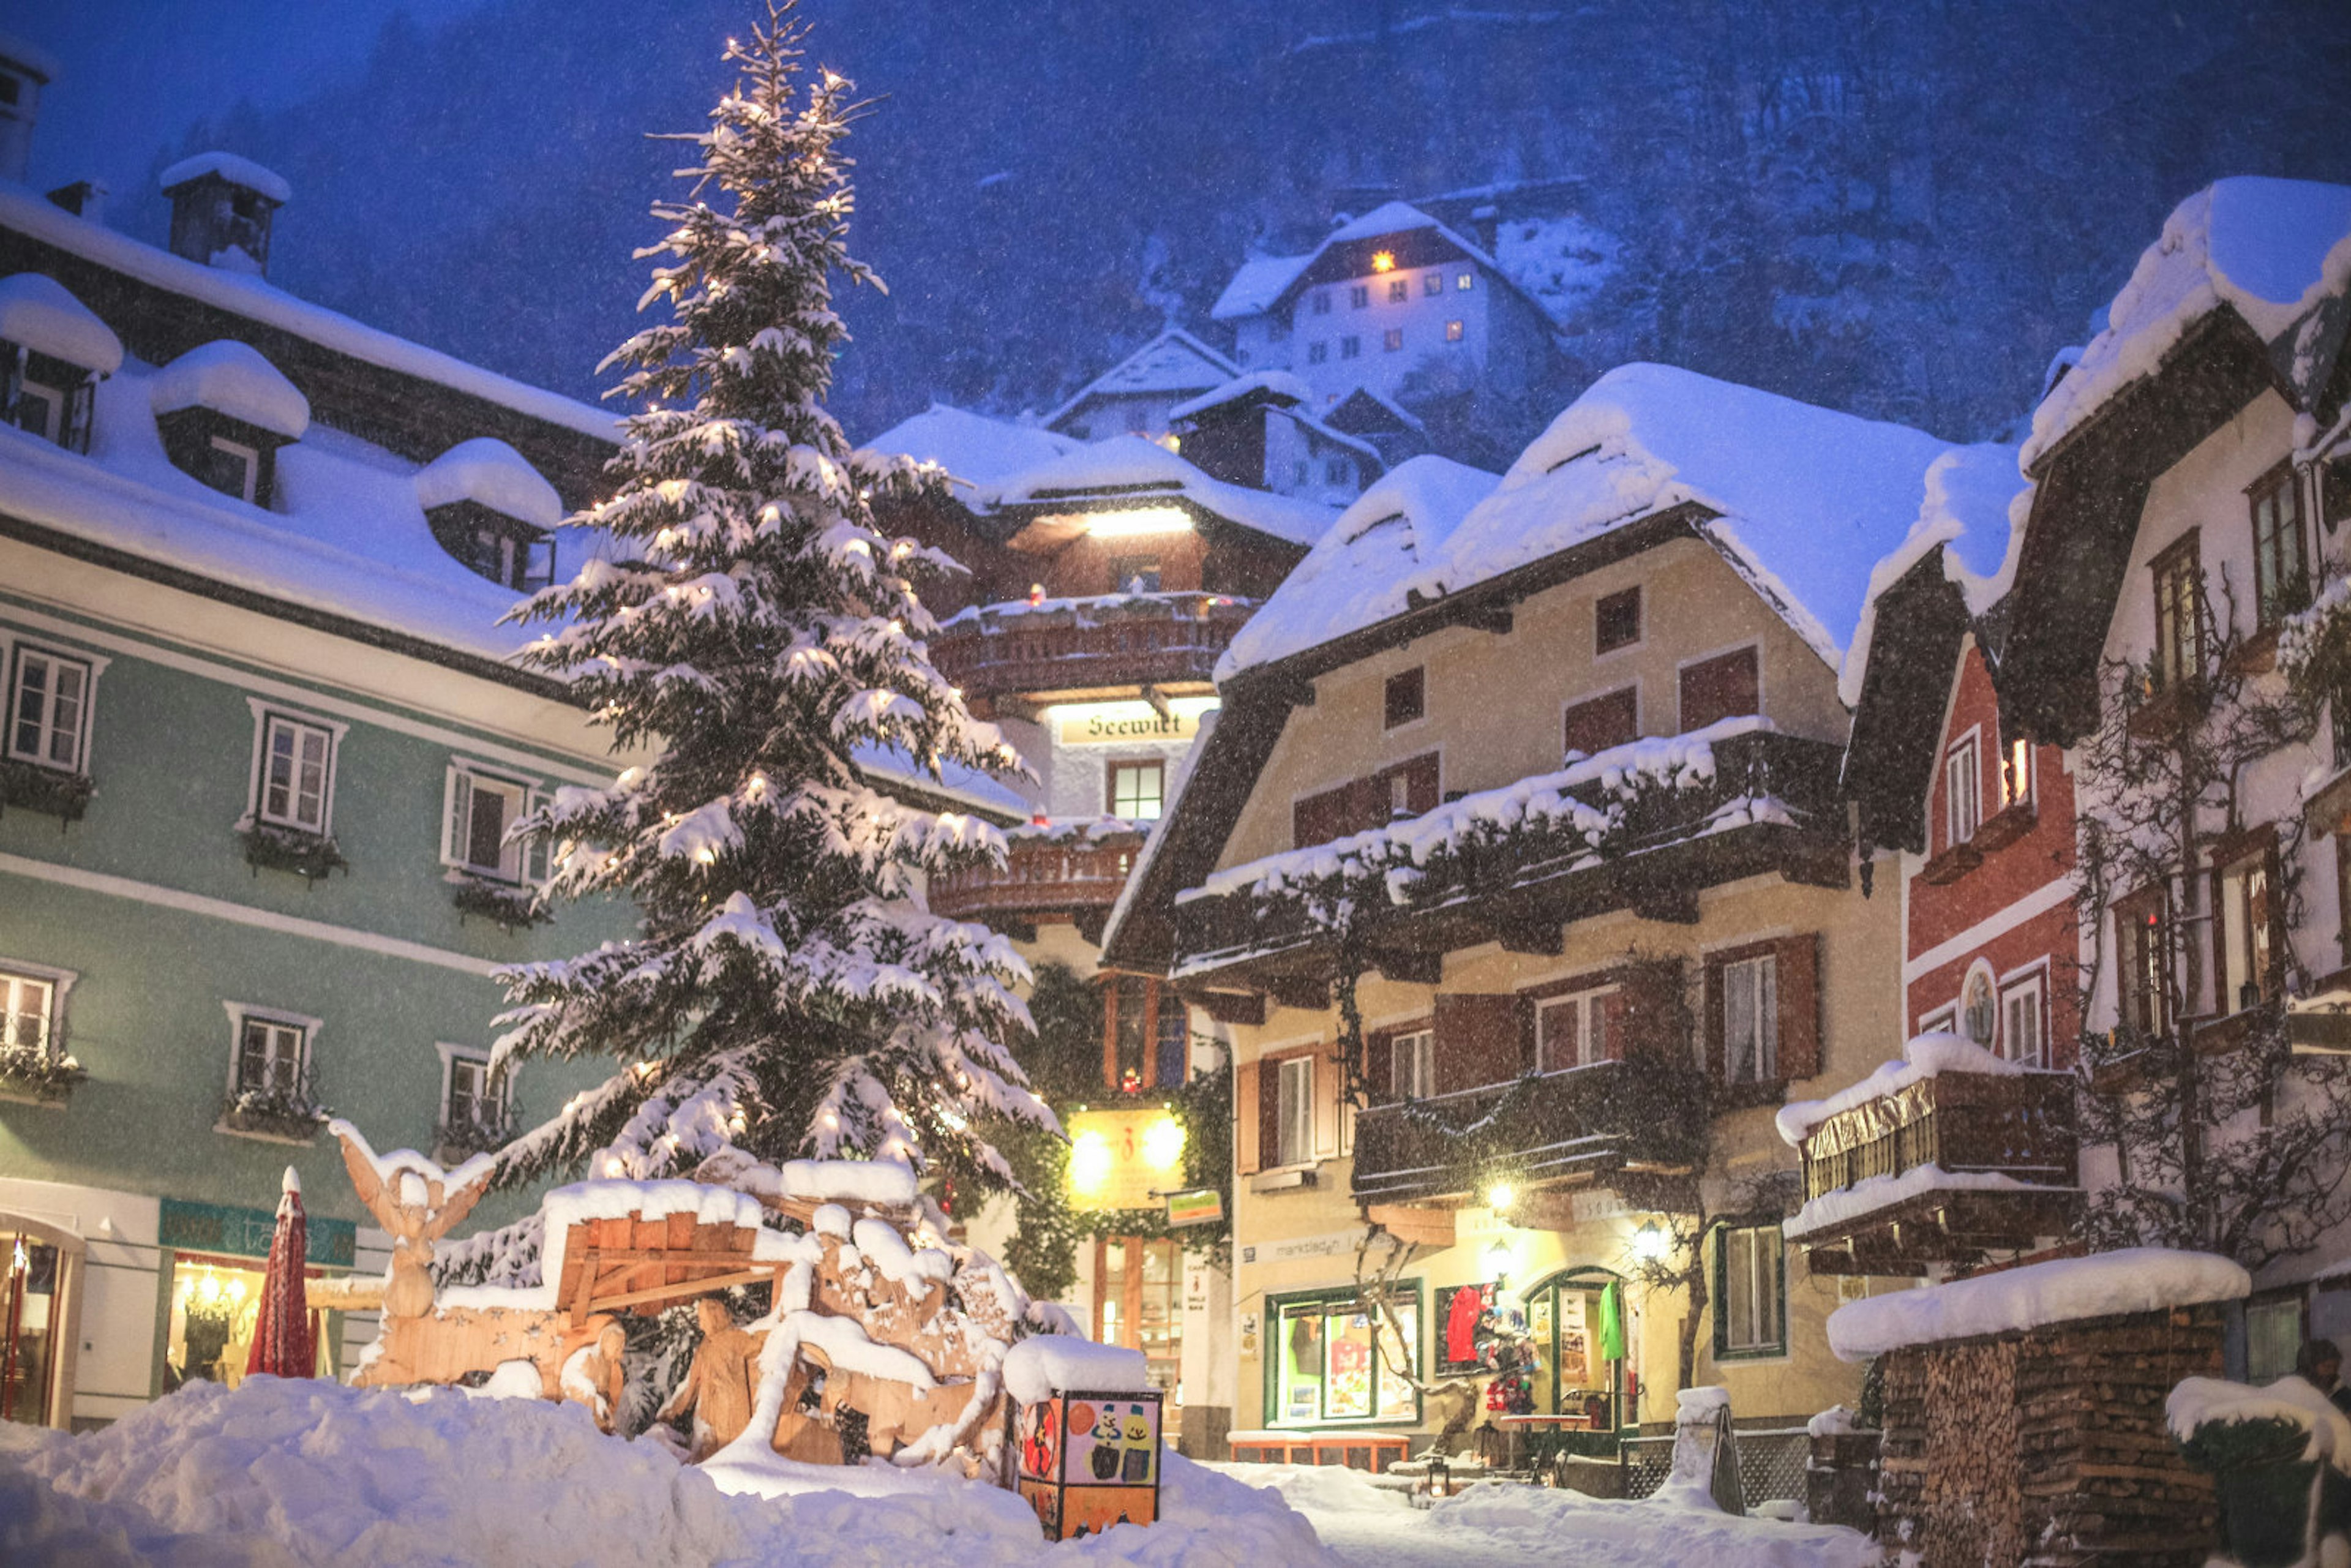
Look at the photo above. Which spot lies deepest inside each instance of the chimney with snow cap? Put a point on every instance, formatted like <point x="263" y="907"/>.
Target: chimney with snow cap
<point x="24" y="68"/>
<point x="221" y="205"/>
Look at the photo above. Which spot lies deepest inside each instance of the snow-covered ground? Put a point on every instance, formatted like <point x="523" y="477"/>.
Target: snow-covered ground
<point x="1510" y="1526"/>
<point x="281" y="1473"/>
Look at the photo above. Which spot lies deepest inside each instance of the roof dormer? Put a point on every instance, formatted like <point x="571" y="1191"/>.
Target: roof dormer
<point x="55" y="353"/>
<point x="222" y="208"/>
<point x="223" y="411"/>
<point x="491" y="510"/>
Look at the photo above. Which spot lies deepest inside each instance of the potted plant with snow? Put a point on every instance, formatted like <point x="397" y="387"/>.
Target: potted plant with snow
<point x="2275" y="1455"/>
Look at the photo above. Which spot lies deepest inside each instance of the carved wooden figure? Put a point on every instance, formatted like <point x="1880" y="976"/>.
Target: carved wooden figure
<point x="719" y="1387"/>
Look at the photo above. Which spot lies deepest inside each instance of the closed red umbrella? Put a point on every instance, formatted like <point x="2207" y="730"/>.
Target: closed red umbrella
<point x="281" y="1336"/>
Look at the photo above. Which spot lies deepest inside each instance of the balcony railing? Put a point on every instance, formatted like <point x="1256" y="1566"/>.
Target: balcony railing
<point x="1075" y="872"/>
<point x="1535" y="855"/>
<point x="1086" y="644"/>
<point x="1941" y="1170"/>
<point x="1588" y="1120"/>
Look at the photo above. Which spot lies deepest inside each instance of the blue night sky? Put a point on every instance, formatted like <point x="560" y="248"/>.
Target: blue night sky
<point x="1899" y="208"/>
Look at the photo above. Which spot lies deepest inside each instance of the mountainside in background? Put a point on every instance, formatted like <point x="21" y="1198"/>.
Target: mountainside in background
<point x="1901" y="208"/>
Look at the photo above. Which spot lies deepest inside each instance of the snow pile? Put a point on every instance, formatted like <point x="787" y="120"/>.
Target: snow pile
<point x="1923" y="1056"/>
<point x="1273" y="383"/>
<point x="2270" y="249"/>
<point x="1836" y="1421"/>
<point x="38" y="313"/>
<point x="312" y="1473"/>
<point x="974" y="449"/>
<point x="2106" y="1284"/>
<point x="232" y="378"/>
<point x="1415" y="857"/>
<point x="1037" y="1366"/>
<point x="1503" y="1524"/>
<point x="2198" y="1402"/>
<point x="236" y="171"/>
<point x="489" y="473"/>
<point x="1140" y="473"/>
<point x="1353" y="578"/>
<point x="1974" y="507"/>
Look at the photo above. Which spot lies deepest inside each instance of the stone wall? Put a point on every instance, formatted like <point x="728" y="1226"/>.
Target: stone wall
<point x="2047" y="1447"/>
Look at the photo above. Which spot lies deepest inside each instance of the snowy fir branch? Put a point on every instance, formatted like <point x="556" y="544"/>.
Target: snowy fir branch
<point x="788" y="992"/>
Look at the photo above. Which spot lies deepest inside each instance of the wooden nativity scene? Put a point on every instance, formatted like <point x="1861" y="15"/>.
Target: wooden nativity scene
<point x="874" y="1311"/>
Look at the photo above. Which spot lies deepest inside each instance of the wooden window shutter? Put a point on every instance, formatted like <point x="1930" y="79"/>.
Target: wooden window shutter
<point x="1649" y="1000"/>
<point x="1476" y="1040"/>
<point x="1420" y="780"/>
<point x="1719" y="688"/>
<point x="1798" y="959"/>
<point x="1616" y="1009"/>
<point x="1379" y="1067"/>
<point x="1250" y="1118"/>
<point x="1602" y="722"/>
<point x="1326" y="1102"/>
<point x="1319" y="818"/>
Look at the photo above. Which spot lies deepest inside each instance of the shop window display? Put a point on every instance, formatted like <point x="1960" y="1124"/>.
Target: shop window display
<point x="1335" y="1363"/>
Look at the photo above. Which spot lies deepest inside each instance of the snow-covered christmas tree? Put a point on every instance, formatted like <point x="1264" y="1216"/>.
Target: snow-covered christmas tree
<point x="789" y="993"/>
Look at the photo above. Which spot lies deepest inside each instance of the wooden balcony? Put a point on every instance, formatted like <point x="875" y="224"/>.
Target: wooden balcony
<point x="1072" y="873"/>
<point x="1551" y="1129"/>
<point x="1942" y="1170"/>
<point x="1066" y="649"/>
<point x="1771" y="808"/>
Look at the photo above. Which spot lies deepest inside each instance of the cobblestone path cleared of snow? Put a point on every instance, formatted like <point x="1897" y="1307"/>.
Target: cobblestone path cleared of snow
<point x="1507" y="1526"/>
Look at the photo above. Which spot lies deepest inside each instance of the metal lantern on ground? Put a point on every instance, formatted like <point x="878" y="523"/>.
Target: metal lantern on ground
<point x="281" y="1335"/>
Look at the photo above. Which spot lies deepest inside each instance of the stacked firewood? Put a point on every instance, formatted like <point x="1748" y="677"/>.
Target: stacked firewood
<point x="2049" y="1446"/>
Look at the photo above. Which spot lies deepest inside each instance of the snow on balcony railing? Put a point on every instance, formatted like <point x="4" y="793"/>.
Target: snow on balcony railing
<point x="1115" y="639"/>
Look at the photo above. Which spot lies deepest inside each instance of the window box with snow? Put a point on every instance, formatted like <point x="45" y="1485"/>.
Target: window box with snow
<point x="35" y="1066"/>
<point x="491" y="510"/>
<point x="477" y="1110"/>
<point x="44" y="763"/>
<point x="290" y="825"/>
<point x="223" y="411"/>
<point x="270" y="1090"/>
<point x="53" y="355"/>
<point x="494" y="872"/>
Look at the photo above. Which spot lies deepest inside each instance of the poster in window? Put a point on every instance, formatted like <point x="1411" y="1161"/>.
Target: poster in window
<point x="1574" y="1342"/>
<point x="1347" y="1385"/>
<point x="1397" y="1358"/>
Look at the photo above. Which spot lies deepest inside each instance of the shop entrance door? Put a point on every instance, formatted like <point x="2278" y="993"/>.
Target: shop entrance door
<point x="29" y="1321"/>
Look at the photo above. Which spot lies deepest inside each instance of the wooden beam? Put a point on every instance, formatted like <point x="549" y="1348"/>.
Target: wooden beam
<point x="691" y="1287"/>
<point x="1409" y="968"/>
<point x="1494" y="617"/>
<point x="1298" y="991"/>
<point x="1421" y="1227"/>
<point x="1230" y="1007"/>
<point x="1158" y="701"/>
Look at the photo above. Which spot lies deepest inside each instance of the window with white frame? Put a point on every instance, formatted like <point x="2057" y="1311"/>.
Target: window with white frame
<point x="480" y="811"/>
<point x="28" y="1006"/>
<point x="1572" y="1032"/>
<point x="1962" y="793"/>
<point x="2024" y="1020"/>
<point x="296" y="782"/>
<point x="39" y="409"/>
<point x="2250" y="932"/>
<point x="273" y="1055"/>
<point x="474" y="1097"/>
<point x="1749" y="1259"/>
<point x="48" y="709"/>
<point x="1942" y="1020"/>
<point x="1751" y="1019"/>
<point x="1295" y="1111"/>
<point x="1412" y="1064"/>
<point x="231" y="467"/>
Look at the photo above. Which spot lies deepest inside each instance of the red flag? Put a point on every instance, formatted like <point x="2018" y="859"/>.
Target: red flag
<point x="281" y="1336"/>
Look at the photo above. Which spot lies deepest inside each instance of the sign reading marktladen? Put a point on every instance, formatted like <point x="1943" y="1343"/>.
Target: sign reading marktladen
<point x="1124" y="1159"/>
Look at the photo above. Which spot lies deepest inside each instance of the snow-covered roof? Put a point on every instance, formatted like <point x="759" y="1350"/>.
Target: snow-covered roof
<point x="236" y="171"/>
<point x="256" y="299"/>
<point x="1973" y="506"/>
<point x="1256" y="284"/>
<point x="1173" y="361"/>
<point x="1112" y="468"/>
<point x="2268" y="248"/>
<point x="990" y="796"/>
<point x="489" y="473"/>
<point x="1273" y="383"/>
<point x="1386" y="404"/>
<point x="348" y="536"/>
<point x="2104" y="1284"/>
<point x="1356" y="575"/>
<point x="972" y="447"/>
<point x="1923" y="1056"/>
<point x="37" y="312"/>
<point x="232" y="379"/>
<point x="1387" y="218"/>
<point x="1807" y="499"/>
